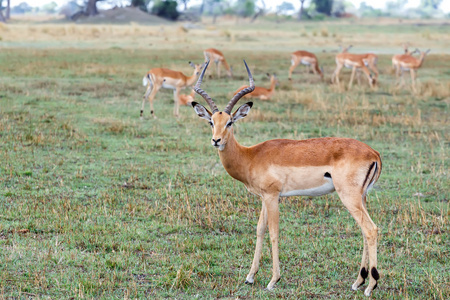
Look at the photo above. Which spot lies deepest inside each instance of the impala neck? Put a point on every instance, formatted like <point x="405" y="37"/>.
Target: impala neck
<point x="191" y="79"/>
<point x="421" y="59"/>
<point x="235" y="160"/>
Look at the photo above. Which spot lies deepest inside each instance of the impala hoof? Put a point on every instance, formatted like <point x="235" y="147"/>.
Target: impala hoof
<point x="248" y="282"/>
<point x="367" y="292"/>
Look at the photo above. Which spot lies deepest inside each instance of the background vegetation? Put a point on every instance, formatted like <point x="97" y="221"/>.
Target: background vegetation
<point x="95" y="203"/>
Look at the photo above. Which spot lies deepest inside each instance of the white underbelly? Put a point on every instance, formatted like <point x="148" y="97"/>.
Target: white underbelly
<point x="348" y="66"/>
<point x="305" y="62"/>
<point x="405" y="69"/>
<point x="168" y="86"/>
<point x="324" y="189"/>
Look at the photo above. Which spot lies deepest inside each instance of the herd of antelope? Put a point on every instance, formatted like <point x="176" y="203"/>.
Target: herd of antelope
<point x="158" y="78"/>
<point x="281" y="167"/>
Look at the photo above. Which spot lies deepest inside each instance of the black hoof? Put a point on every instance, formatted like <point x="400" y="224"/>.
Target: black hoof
<point x="248" y="282"/>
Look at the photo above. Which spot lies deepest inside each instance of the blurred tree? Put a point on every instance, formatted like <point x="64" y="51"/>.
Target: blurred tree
<point x="166" y="9"/>
<point x="245" y="8"/>
<point x="91" y="7"/>
<point x="49" y="8"/>
<point x="285" y="8"/>
<point x="4" y="18"/>
<point x="142" y="4"/>
<point x="324" y="6"/>
<point x="301" y="11"/>
<point x="184" y="2"/>
<point x="430" y="3"/>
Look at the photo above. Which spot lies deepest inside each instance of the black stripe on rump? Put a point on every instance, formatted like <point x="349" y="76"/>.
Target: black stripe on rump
<point x="368" y="173"/>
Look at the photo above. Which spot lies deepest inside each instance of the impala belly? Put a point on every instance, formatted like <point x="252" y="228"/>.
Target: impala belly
<point x="168" y="84"/>
<point x="304" y="181"/>
<point x="305" y="62"/>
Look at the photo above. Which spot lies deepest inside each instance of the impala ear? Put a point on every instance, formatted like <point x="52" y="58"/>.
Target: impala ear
<point x="242" y="111"/>
<point x="201" y="111"/>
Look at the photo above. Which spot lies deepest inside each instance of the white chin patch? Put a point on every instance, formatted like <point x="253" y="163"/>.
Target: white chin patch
<point x="221" y="147"/>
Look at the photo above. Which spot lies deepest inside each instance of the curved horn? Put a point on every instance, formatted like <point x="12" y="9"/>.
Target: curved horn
<point x="202" y="93"/>
<point x="242" y="93"/>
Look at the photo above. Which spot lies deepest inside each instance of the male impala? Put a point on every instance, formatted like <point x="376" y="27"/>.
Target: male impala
<point x="164" y="78"/>
<point x="260" y="92"/>
<point x="217" y="56"/>
<point x="351" y="61"/>
<point x="282" y="168"/>
<point x="410" y="63"/>
<point x="305" y="58"/>
<point x="187" y="99"/>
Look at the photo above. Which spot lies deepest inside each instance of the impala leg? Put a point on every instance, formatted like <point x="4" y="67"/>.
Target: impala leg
<point x="351" y="78"/>
<point x="367" y="72"/>
<point x="335" y="76"/>
<point x="151" y="98"/>
<point x="260" y="231"/>
<point x="273" y="215"/>
<point x="413" y="80"/>
<point x="152" y="90"/>
<point x="291" y="69"/>
<point x="358" y="77"/>
<point x="147" y="92"/>
<point x="363" y="273"/>
<point x="354" y="203"/>
<point x="176" y="96"/>
<point x="375" y="71"/>
<point x="218" y="68"/>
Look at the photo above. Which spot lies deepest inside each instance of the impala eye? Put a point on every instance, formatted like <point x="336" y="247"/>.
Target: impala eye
<point x="211" y="123"/>
<point x="229" y="124"/>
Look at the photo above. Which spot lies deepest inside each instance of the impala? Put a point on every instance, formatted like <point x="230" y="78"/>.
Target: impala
<point x="370" y="60"/>
<point x="354" y="62"/>
<point x="411" y="64"/>
<point x="260" y="92"/>
<point x="397" y="57"/>
<point x="281" y="168"/>
<point x="187" y="99"/>
<point x="158" y="78"/>
<point x="305" y="58"/>
<point x="219" y="59"/>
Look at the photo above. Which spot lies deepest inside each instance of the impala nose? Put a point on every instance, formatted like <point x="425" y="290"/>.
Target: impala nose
<point x="215" y="142"/>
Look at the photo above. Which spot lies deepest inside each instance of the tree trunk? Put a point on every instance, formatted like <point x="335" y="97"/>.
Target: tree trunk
<point x="8" y="9"/>
<point x="91" y="9"/>
<point x="2" y="18"/>
<point x="300" y="13"/>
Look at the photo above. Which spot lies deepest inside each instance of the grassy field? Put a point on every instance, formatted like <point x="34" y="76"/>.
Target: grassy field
<point x="96" y="203"/>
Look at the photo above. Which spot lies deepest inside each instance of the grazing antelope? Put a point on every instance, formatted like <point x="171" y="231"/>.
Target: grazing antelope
<point x="351" y="61"/>
<point x="260" y="92"/>
<point x="281" y="168"/>
<point x="187" y="99"/>
<point x="164" y="78"/>
<point x="411" y="64"/>
<point x="219" y="59"/>
<point x="305" y="58"/>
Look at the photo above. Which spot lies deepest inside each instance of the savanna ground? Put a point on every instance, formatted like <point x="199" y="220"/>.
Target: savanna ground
<point x="95" y="203"/>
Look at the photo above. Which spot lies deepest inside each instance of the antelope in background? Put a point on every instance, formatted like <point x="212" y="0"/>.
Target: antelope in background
<point x="187" y="99"/>
<point x="370" y="60"/>
<point x="397" y="57"/>
<point x="305" y="58"/>
<point x="158" y="78"/>
<point x="281" y="168"/>
<point x="260" y="92"/>
<point x="351" y="61"/>
<point x="412" y="64"/>
<point x="219" y="59"/>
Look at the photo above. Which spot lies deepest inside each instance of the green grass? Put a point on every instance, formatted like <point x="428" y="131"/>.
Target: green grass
<point x="96" y="203"/>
